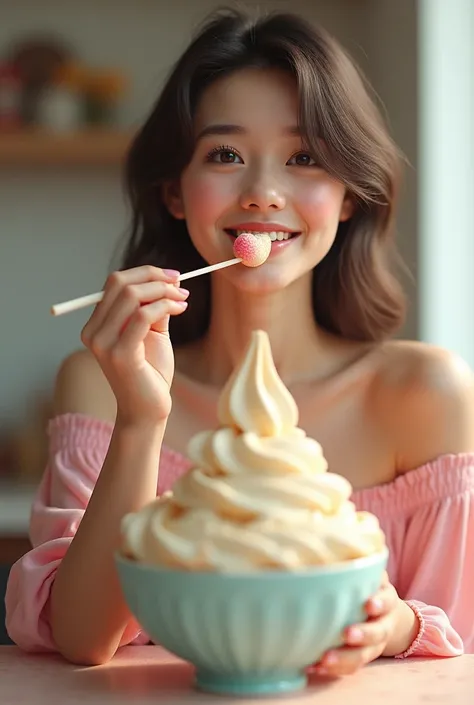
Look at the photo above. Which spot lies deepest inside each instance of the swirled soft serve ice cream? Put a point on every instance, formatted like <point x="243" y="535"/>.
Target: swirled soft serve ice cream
<point x="258" y="496"/>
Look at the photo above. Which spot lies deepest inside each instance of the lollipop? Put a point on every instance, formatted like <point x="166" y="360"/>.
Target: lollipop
<point x="250" y="249"/>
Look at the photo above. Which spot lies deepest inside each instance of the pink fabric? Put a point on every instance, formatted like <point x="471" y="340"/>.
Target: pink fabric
<point x="427" y="515"/>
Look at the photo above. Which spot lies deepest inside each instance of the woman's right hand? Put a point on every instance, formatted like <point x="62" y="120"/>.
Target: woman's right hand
<point x="128" y="335"/>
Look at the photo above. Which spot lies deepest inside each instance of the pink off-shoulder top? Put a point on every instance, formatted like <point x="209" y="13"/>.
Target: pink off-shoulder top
<point x="427" y="515"/>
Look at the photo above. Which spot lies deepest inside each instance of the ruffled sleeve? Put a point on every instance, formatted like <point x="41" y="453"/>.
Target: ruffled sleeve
<point x="429" y="516"/>
<point x="77" y="449"/>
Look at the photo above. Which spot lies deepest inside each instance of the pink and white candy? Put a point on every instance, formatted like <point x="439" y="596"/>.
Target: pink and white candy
<point x="253" y="249"/>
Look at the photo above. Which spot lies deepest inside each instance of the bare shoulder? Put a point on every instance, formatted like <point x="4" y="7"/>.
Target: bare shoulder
<point x="425" y="398"/>
<point x="81" y="387"/>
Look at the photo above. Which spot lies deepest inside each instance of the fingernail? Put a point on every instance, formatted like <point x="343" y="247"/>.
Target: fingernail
<point x="376" y="605"/>
<point x="321" y="670"/>
<point x="184" y="292"/>
<point x="182" y="304"/>
<point x="330" y="659"/>
<point x="354" y="635"/>
<point x="172" y="273"/>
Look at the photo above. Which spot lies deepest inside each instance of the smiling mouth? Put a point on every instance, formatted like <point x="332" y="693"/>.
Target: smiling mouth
<point x="275" y="235"/>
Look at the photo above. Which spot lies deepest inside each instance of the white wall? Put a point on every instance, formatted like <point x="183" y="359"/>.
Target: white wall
<point x="446" y="173"/>
<point x="58" y="228"/>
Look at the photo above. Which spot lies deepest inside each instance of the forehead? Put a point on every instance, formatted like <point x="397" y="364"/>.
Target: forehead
<point x="250" y="97"/>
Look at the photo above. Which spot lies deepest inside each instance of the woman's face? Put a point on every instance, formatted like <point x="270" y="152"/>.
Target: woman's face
<point x="250" y="172"/>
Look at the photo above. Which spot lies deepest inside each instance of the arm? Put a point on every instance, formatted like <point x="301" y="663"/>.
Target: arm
<point x="52" y="599"/>
<point x="436" y="572"/>
<point x="424" y="403"/>
<point x="433" y="418"/>
<point x="77" y="449"/>
<point x="128" y="336"/>
<point x="87" y="622"/>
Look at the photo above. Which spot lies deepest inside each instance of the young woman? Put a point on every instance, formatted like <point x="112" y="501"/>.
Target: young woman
<point x="264" y="126"/>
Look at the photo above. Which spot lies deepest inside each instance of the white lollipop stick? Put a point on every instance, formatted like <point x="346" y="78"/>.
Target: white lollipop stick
<point x="92" y="299"/>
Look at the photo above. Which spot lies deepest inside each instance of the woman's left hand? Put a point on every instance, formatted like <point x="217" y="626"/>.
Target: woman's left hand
<point x="367" y="641"/>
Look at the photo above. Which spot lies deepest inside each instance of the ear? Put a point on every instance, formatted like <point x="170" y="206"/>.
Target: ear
<point x="171" y="194"/>
<point x="347" y="208"/>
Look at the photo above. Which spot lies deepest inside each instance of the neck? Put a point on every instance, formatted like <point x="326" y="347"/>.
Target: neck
<point x="287" y="317"/>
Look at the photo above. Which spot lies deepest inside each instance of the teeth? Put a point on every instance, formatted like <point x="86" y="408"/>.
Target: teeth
<point x="273" y="235"/>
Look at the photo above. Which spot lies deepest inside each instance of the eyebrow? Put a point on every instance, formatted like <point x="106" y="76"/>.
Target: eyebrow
<point x="225" y="129"/>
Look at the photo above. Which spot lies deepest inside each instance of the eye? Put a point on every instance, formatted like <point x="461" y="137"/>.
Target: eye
<point x="224" y="155"/>
<point x="302" y="159"/>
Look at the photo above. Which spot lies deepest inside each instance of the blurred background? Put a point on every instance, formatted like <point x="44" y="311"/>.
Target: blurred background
<point x="76" y="78"/>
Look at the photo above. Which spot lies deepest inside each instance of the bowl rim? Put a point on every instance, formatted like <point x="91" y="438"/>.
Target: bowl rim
<point x="315" y="571"/>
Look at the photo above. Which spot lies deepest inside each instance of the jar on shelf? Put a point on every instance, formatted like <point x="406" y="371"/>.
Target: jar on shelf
<point x="61" y="103"/>
<point x="60" y="109"/>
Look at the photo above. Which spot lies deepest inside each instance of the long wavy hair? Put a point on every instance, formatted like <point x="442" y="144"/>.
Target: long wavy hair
<point x="355" y="293"/>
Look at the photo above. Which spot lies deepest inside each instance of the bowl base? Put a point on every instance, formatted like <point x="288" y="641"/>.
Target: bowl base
<point x="265" y="684"/>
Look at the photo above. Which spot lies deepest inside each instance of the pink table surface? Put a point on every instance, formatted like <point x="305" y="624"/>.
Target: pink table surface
<point x="149" y="674"/>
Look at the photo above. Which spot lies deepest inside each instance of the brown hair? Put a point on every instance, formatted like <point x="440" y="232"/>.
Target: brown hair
<point x="354" y="293"/>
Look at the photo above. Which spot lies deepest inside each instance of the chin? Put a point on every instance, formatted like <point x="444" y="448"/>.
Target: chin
<point x="260" y="281"/>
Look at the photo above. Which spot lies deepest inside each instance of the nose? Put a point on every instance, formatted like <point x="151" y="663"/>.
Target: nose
<point x="262" y="192"/>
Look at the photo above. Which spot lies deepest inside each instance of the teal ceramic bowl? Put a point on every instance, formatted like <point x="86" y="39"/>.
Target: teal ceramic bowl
<point x="254" y="633"/>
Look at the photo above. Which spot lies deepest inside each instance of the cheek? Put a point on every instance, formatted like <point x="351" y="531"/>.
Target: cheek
<point x="320" y="205"/>
<point x="205" y="197"/>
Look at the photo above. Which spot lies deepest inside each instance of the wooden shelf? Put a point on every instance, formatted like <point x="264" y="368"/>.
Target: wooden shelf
<point x="90" y="148"/>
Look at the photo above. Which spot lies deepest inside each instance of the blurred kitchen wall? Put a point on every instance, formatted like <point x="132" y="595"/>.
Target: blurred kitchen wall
<point x="59" y="225"/>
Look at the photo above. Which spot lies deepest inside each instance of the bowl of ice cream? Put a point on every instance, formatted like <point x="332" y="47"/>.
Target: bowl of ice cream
<point x="257" y="560"/>
<point x="250" y="634"/>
